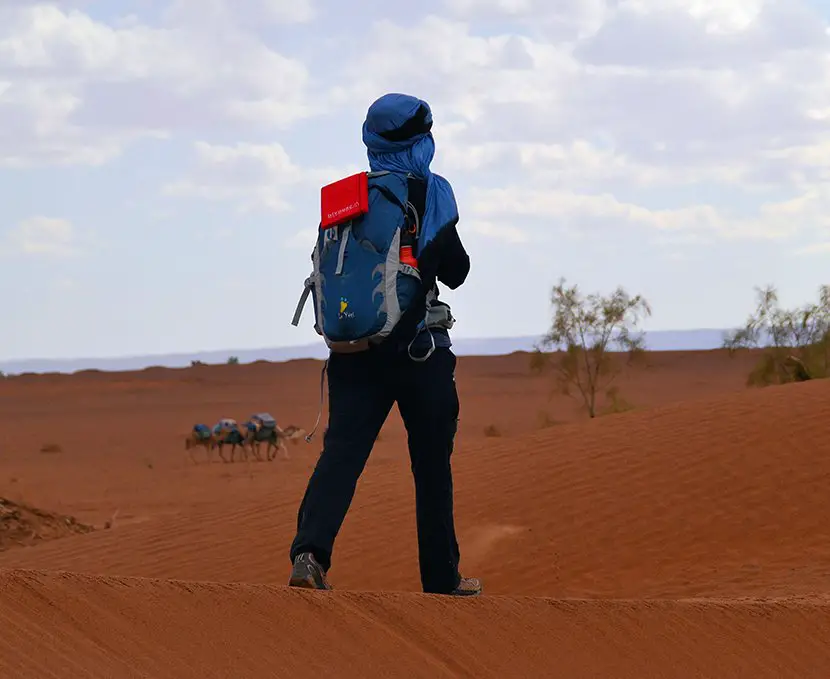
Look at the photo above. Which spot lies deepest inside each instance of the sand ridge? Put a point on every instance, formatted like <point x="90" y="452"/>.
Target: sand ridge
<point x="127" y="627"/>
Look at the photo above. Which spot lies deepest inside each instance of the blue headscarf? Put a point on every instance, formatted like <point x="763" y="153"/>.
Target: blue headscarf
<point x="413" y="154"/>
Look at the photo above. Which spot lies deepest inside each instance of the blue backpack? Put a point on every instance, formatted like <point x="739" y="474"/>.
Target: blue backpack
<point x="362" y="281"/>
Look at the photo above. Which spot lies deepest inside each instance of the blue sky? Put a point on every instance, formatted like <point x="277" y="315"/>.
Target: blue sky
<point x="160" y="161"/>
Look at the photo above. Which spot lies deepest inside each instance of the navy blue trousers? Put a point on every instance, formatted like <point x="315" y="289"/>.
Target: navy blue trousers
<point x="363" y="387"/>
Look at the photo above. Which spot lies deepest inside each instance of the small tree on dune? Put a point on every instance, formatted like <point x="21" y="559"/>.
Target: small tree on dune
<point x="583" y="333"/>
<point x="795" y="342"/>
<point x="233" y="360"/>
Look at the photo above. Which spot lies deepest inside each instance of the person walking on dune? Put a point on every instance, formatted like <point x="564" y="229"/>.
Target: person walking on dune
<point x="408" y="360"/>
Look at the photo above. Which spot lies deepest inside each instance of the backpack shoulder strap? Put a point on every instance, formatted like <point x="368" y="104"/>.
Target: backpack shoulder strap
<point x="417" y="193"/>
<point x="390" y="195"/>
<point x="384" y="189"/>
<point x="416" y="199"/>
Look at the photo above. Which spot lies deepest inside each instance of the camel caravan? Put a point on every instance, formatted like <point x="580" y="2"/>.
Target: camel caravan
<point x="260" y="429"/>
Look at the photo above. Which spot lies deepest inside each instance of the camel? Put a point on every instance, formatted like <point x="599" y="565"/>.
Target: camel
<point x="262" y="428"/>
<point x="291" y="433"/>
<point x="272" y="436"/>
<point x="226" y="432"/>
<point x="249" y="434"/>
<point x="233" y="439"/>
<point x="200" y="435"/>
<point x="294" y="433"/>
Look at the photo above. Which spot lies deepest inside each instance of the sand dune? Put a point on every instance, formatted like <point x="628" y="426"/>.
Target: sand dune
<point x="62" y="625"/>
<point x="650" y="541"/>
<point x="714" y="497"/>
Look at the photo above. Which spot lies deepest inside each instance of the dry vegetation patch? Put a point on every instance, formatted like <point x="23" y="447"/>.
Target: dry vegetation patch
<point x="22" y="525"/>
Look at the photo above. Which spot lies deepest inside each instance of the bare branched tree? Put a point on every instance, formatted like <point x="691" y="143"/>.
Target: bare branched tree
<point x="583" y="332"/>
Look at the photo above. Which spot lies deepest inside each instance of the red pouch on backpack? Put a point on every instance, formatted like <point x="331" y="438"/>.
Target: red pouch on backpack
<point x="343" y="200"/>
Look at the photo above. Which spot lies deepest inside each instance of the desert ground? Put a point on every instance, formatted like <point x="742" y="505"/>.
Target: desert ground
<point x="687" y="534"/>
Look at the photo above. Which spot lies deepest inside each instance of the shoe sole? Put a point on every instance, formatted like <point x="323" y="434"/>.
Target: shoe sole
<point x="305" y="582"/>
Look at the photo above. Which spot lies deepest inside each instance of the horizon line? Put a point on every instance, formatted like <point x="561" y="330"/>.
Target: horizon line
<point x="312" y="346"/>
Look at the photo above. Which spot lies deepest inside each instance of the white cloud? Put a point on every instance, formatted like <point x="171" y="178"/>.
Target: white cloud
<point x="510" y="7"/>
<point x="77" y="90"/>
<point x="221" y="13"/>
<point x="37" y="128"/>
<point x="303" y="239"/>
<point x="289" y="11"/>
<point x="497" y="231"/>
<point x="718" y="16"/>
<point x="655" y="96"/>
<point x="575" y="212"/>
<point x="253" y="176"/>
<point x="814" y="249"/>
<point x="460" y="73"/>
<point x="560" y="20"/>
<point x="42" y="236"/>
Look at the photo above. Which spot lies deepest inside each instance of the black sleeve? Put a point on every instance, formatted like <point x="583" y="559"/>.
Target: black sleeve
<point x="453" y="260"/>
<point x="445" y="258"/>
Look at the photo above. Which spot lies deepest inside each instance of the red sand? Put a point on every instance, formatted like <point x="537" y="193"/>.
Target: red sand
<point x="67" y="625"/>
<point x="706" y="489"/>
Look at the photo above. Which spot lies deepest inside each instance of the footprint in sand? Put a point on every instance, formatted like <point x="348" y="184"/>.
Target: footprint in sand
<point x="480" y="541"/>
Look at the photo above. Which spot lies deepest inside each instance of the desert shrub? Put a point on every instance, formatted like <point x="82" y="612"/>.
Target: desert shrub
<point x="795" y="342"/>
<point x="583" y="334"/>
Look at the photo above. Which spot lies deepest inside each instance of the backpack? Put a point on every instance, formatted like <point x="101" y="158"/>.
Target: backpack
<point x="364" y="275"/>
<point x="225" y="424"/>
<point x="265" y="420"/>
<point x="202" y="431"/>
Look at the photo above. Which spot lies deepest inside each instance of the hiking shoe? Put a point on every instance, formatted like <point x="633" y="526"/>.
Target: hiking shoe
<point x="307" y="573"/>
<point x="467" y="587"/>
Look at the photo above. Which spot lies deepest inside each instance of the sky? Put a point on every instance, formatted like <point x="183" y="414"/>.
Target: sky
<point x="161" y="160"/>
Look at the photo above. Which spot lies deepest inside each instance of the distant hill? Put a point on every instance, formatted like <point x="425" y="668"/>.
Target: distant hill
<point x="658" y="340"/>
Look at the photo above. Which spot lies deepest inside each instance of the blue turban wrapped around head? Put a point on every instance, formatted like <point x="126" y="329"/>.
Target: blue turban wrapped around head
<point x="398" y="138"/>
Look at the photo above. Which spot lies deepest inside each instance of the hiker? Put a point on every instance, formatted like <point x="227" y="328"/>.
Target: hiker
<point x="413" y="365"/>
